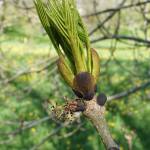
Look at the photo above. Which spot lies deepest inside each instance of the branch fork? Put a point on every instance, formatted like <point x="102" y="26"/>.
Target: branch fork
<point x="96" y="114"/>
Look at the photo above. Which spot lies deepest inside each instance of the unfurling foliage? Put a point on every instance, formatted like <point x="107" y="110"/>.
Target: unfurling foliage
<point x="68" y="34"/>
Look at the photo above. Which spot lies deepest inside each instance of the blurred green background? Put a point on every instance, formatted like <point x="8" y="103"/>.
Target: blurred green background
<point x="29" y="78"/>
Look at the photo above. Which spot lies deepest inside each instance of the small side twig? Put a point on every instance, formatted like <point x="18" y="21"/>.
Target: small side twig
<point x="129" y="91"/>
<point x="54" y="132"/>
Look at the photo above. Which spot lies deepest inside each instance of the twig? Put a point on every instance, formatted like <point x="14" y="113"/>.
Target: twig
<point x="27" y="126"/>
<point x="123" y="37"/>
<point x="117" y="9"/>
<point x="72" y="132"/>
<point x="49" y="135"/>
<point x="129" y="91"/>
<point x="105" y="20"/>
<point x="46" y="63"/>
<point x="95" y="113"/>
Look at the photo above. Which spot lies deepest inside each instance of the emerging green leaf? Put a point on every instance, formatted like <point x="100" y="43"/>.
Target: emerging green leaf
<point x="66" y="30"/>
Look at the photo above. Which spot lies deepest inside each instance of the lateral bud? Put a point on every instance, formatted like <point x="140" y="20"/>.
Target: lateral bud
<point x="101" y="99"/>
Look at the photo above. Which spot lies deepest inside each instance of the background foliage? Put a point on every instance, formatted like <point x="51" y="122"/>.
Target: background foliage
<point x="29" y="78"/>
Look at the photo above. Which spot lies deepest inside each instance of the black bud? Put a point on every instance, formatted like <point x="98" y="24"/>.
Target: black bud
<point x="84" y="86"/>
<point x="101" y="99"/>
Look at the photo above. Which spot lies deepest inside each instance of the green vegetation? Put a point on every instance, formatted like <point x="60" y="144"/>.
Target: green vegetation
<point x="24" y="97"/>
<point x="29" y="79"/>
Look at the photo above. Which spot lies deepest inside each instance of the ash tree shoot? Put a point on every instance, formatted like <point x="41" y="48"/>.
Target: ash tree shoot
<point x="78" y="63"/>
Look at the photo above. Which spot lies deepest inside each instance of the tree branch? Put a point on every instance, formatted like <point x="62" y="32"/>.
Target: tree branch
<point x="54" y="132"/>
<point x="46" y="64"/>
<point x="129" y="91"/>
<point x="95" y="113"/>
<point x="123" y="37"/>
<point x="105" y="20"/>
<point x="117" y="9"/>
